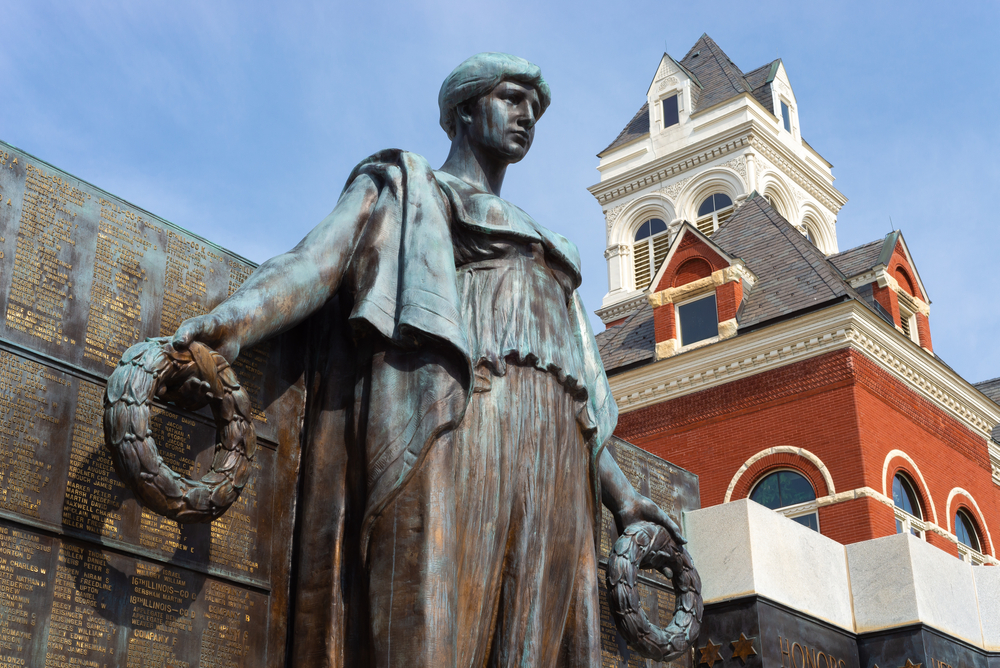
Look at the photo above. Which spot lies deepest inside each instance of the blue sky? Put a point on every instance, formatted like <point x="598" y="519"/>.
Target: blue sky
<point x="240" y="121"/>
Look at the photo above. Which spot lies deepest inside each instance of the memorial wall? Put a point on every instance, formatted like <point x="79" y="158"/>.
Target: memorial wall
<point x="675" y="491"/>
<point x="90" y="578"/>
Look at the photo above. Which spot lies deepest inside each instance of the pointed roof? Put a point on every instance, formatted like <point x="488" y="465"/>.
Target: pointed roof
<point x="716" y="78"/>
<point x="637" y="127"/>
<point x="720" y="78"/>
<point x="873" y="254"/>
<point x="793" y="277"/>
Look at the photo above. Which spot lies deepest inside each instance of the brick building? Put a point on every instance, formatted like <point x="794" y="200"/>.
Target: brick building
<point x="742" y="345"/>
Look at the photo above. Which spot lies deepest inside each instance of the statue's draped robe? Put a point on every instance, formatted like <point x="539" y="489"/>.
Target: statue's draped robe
<point x="394" y="361"/>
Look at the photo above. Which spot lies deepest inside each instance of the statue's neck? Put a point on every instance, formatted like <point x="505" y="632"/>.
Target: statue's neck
<point x="475" y="166"/>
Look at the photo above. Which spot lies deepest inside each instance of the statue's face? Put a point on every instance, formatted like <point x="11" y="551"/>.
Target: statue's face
<point x="503" y="121"/>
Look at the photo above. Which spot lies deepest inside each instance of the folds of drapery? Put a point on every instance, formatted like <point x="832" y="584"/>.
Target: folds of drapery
<point x="389" y="371"/>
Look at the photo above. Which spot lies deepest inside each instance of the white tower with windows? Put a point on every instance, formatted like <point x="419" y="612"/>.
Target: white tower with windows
<point x="706" y="137"/>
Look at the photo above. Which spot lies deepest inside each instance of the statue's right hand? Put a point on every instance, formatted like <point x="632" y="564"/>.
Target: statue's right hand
<point x="210" y="330"/>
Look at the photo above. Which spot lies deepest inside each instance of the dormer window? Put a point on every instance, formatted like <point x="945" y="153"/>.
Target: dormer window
<point x="698" y="320"/>
<point x="786" y="116"/>
<point x="650" y="248"/>
<point x="671" y="113"/>
<point x="713" y="212"/>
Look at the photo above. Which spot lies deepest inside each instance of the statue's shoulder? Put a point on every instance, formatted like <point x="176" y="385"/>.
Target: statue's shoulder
<point x="391" y="163"/>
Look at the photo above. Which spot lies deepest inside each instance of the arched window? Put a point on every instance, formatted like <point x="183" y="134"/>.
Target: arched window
<point x="776" y="204"/>
<point x="789" y="493"/>
<point x="713" y="212"/>
<point x="908" y="514"/>
<point x="969" y="546"/>
<point x="651" y="245"/>
<point x="907" y="307"/>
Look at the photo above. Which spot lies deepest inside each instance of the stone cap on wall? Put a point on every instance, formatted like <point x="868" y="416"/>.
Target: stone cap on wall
<point x="744" y="549"/>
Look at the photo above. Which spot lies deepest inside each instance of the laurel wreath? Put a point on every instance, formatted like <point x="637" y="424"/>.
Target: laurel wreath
<point x="154" y="369"/>
<point x="648" y="545"/>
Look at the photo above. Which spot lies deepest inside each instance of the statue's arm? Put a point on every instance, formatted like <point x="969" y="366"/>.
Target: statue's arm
<point x="288" y="288"/>
<point x="627" y="505"/>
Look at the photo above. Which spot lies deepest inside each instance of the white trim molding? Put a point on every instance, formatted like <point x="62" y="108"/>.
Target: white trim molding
<point x="783" y="449"/>
<point x="923" y="483"/>
<point x="982" y="518"/>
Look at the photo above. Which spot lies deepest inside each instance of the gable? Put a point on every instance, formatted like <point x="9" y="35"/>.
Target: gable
<point x="680" y="264"/>
<point x="900" y="266"/>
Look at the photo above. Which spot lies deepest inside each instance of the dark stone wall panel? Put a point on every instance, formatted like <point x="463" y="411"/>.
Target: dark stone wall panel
<point x="89" y="577"/>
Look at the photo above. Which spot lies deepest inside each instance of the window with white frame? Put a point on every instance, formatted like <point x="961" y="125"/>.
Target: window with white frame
<point x="908" y="316"/>
<point x="697" y="319"/>
<point x="969" y="546"/>
<point x="790" y="494"/>
<point x="671" y="111"/>
<point x="909" y="518"/>
<point x="713" y="212"/>
<point x="786" y="116"/>
<point x="651" y="243"/>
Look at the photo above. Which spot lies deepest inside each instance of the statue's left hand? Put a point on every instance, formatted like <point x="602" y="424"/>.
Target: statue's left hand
<point x="638" y="508"/>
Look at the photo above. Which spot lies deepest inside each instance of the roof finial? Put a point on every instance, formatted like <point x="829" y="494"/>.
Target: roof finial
<point x="891" y="224"/>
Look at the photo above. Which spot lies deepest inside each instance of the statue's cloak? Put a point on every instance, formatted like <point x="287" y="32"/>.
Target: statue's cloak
<point x="389" y="370"/>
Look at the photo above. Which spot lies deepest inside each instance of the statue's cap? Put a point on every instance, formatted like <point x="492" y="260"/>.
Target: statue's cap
<point x="479" y="75"/>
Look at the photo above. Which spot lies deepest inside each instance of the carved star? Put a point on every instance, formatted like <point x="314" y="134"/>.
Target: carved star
<point x="709" y="653"/>
<point x="743" y="648"/>
<point x="910" y="664"/>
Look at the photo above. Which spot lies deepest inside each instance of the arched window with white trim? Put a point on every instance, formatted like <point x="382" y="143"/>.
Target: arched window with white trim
<point x="789" y="493"/>
<point x="969" y="546"/>
<point x="909" y="517"/>
<point x="650" y="246"/>
<point x="713" y="212"/>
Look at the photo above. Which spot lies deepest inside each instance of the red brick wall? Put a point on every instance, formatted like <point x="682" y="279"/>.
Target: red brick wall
<point x="898" y="261"/>
<point x="690" y="247"/>
<point x="691" y="270"/>
<point x="924" y="331"/>
<point x="664" y="323"/>
<point x="888" y="299"/>
<point x="845" y="522"/>
<point x="727" y="298"/>
<point x="842" y="407"/>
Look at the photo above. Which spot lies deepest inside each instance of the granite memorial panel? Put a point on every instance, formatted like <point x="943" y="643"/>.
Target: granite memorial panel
<point x="90" y="577"/>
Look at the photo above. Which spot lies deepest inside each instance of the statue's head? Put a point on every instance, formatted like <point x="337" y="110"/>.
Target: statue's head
<point x="495" y="99"/>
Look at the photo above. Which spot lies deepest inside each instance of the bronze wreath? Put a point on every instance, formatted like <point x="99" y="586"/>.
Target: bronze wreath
<point x="647" y="545"/>
<point x="154" y="369"/>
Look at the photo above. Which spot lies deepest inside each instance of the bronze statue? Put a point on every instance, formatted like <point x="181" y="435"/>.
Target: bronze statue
<point x="452" y="470"/>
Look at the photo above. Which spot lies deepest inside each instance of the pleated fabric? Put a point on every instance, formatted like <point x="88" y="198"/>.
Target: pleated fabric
<point x="498" y="568"/>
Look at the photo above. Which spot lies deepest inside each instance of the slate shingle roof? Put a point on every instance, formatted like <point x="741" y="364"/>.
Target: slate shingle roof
<point x="793" y="276"/>
<point x="991" y="388"/>
<point x="629" y="343"/>
<point x="637" y="127"/>
<point x="792" y="273"/>
<point x="717" y="79"/>
<point x="859" y="259"/>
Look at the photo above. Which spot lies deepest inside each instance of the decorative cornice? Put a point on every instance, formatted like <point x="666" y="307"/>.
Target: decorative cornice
<point x="792" y="171"/>
<point x="605" y="194"/>
<point x="622" y="309"/>
<point x="846" y="325"/>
